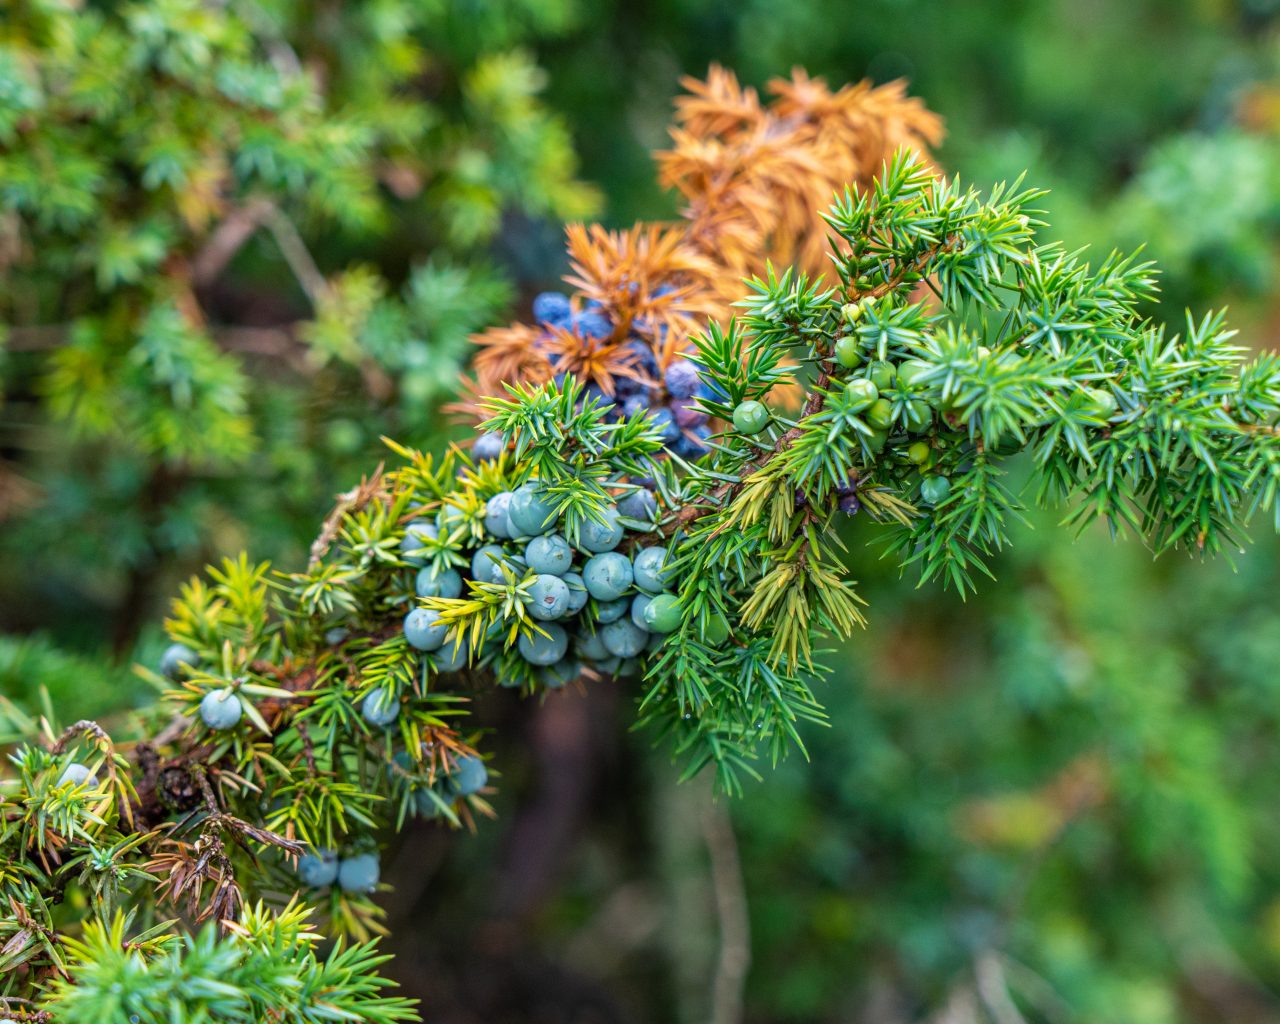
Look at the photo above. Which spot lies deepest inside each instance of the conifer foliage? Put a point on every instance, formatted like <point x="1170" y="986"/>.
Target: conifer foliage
<point x="191" y="195"/>
<point x="580" y="543"/>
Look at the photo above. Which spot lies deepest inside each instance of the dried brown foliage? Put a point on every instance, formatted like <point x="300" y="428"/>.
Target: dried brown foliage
<point x="754" y="176"/>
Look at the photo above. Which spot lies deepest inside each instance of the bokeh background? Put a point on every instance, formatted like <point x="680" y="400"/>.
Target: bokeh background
<point x="1058" y="801"/>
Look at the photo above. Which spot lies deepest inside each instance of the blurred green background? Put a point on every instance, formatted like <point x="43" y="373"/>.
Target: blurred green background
<point x="1055" y="802"/>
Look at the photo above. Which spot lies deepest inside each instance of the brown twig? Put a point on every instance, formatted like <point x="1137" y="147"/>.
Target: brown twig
<point x="350" y="501"/>
<point x="297" y="255"/>
<point x="227" y="239"/>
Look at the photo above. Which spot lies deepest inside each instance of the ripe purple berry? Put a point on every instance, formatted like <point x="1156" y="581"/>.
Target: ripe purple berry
<point x="380" y="708"/>
<point x="443" y="583"/>
<point x="318" y="869"/>
<point x="551" y="308"/>
<point x="220" y="710"/>
<point x="591" y="324"/>
<point x="611" y="611"/>
<point x="423" y="629"/>
<point x="687" y="415"/>
<point x="359" y="874"/>
<point x="664" y="422"/>
<point x="607" y="576"/>
<point x="415" y="535"/>
<point x="538" y="649"/>
<point x="553" y="677"/>
<point x="623" y="638"/>
<point x="549" y="553"/>
<point x="549" y="597"/>
<point x="597" y="537"/>
<point x="530" y="512"/>
<point x="488" y="447"/>
<point x="681" y="379"/>
<point x="639" y="504"/>
<point x="634" y="405"/>
<point x="77" y="774"/>
<point x="469" y="775"/>
<point x="175" y="658"/>
<point x="497" y="515"/>
<point x="578" y="595"/>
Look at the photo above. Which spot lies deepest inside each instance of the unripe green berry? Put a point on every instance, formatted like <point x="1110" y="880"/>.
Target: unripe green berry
<point x="662" y="614"/>
<point x="934" y="489"/>
<point x="716" y="630"/>
<point x="1006" y="444"/>
<point x="1099" y="404"/>
<point x="876" y="441"/>
<point x="750" y="417"/>
<point x="861" y="394"/>
<point x="847" y="352"/>
<point x="919" y="453"/>
<point x="880" y="414"/>
<point x="910" y="371"/>
<point x="882" y="374"/>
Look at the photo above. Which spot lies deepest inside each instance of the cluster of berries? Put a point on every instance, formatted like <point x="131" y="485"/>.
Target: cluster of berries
<point x="590" y="603"/>
<point x="921" y="433"/>
<point x="637" y="383"/>
<point x="356" y="874"/>
<point x="467" y="776"/>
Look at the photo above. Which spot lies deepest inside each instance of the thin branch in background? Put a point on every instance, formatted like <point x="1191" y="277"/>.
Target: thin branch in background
<point x="734" y="959"/>
<point x="994" y="991"/>
<point x="234" y="230"/>
<point x="238" y="227"/>
<point x="297" y="255"/>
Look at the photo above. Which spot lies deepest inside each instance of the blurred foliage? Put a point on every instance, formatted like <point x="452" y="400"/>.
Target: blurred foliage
<point x="240" y="242"/>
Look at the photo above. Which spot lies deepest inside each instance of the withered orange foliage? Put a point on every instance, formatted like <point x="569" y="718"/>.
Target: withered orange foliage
<point x="754" y="176"/>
